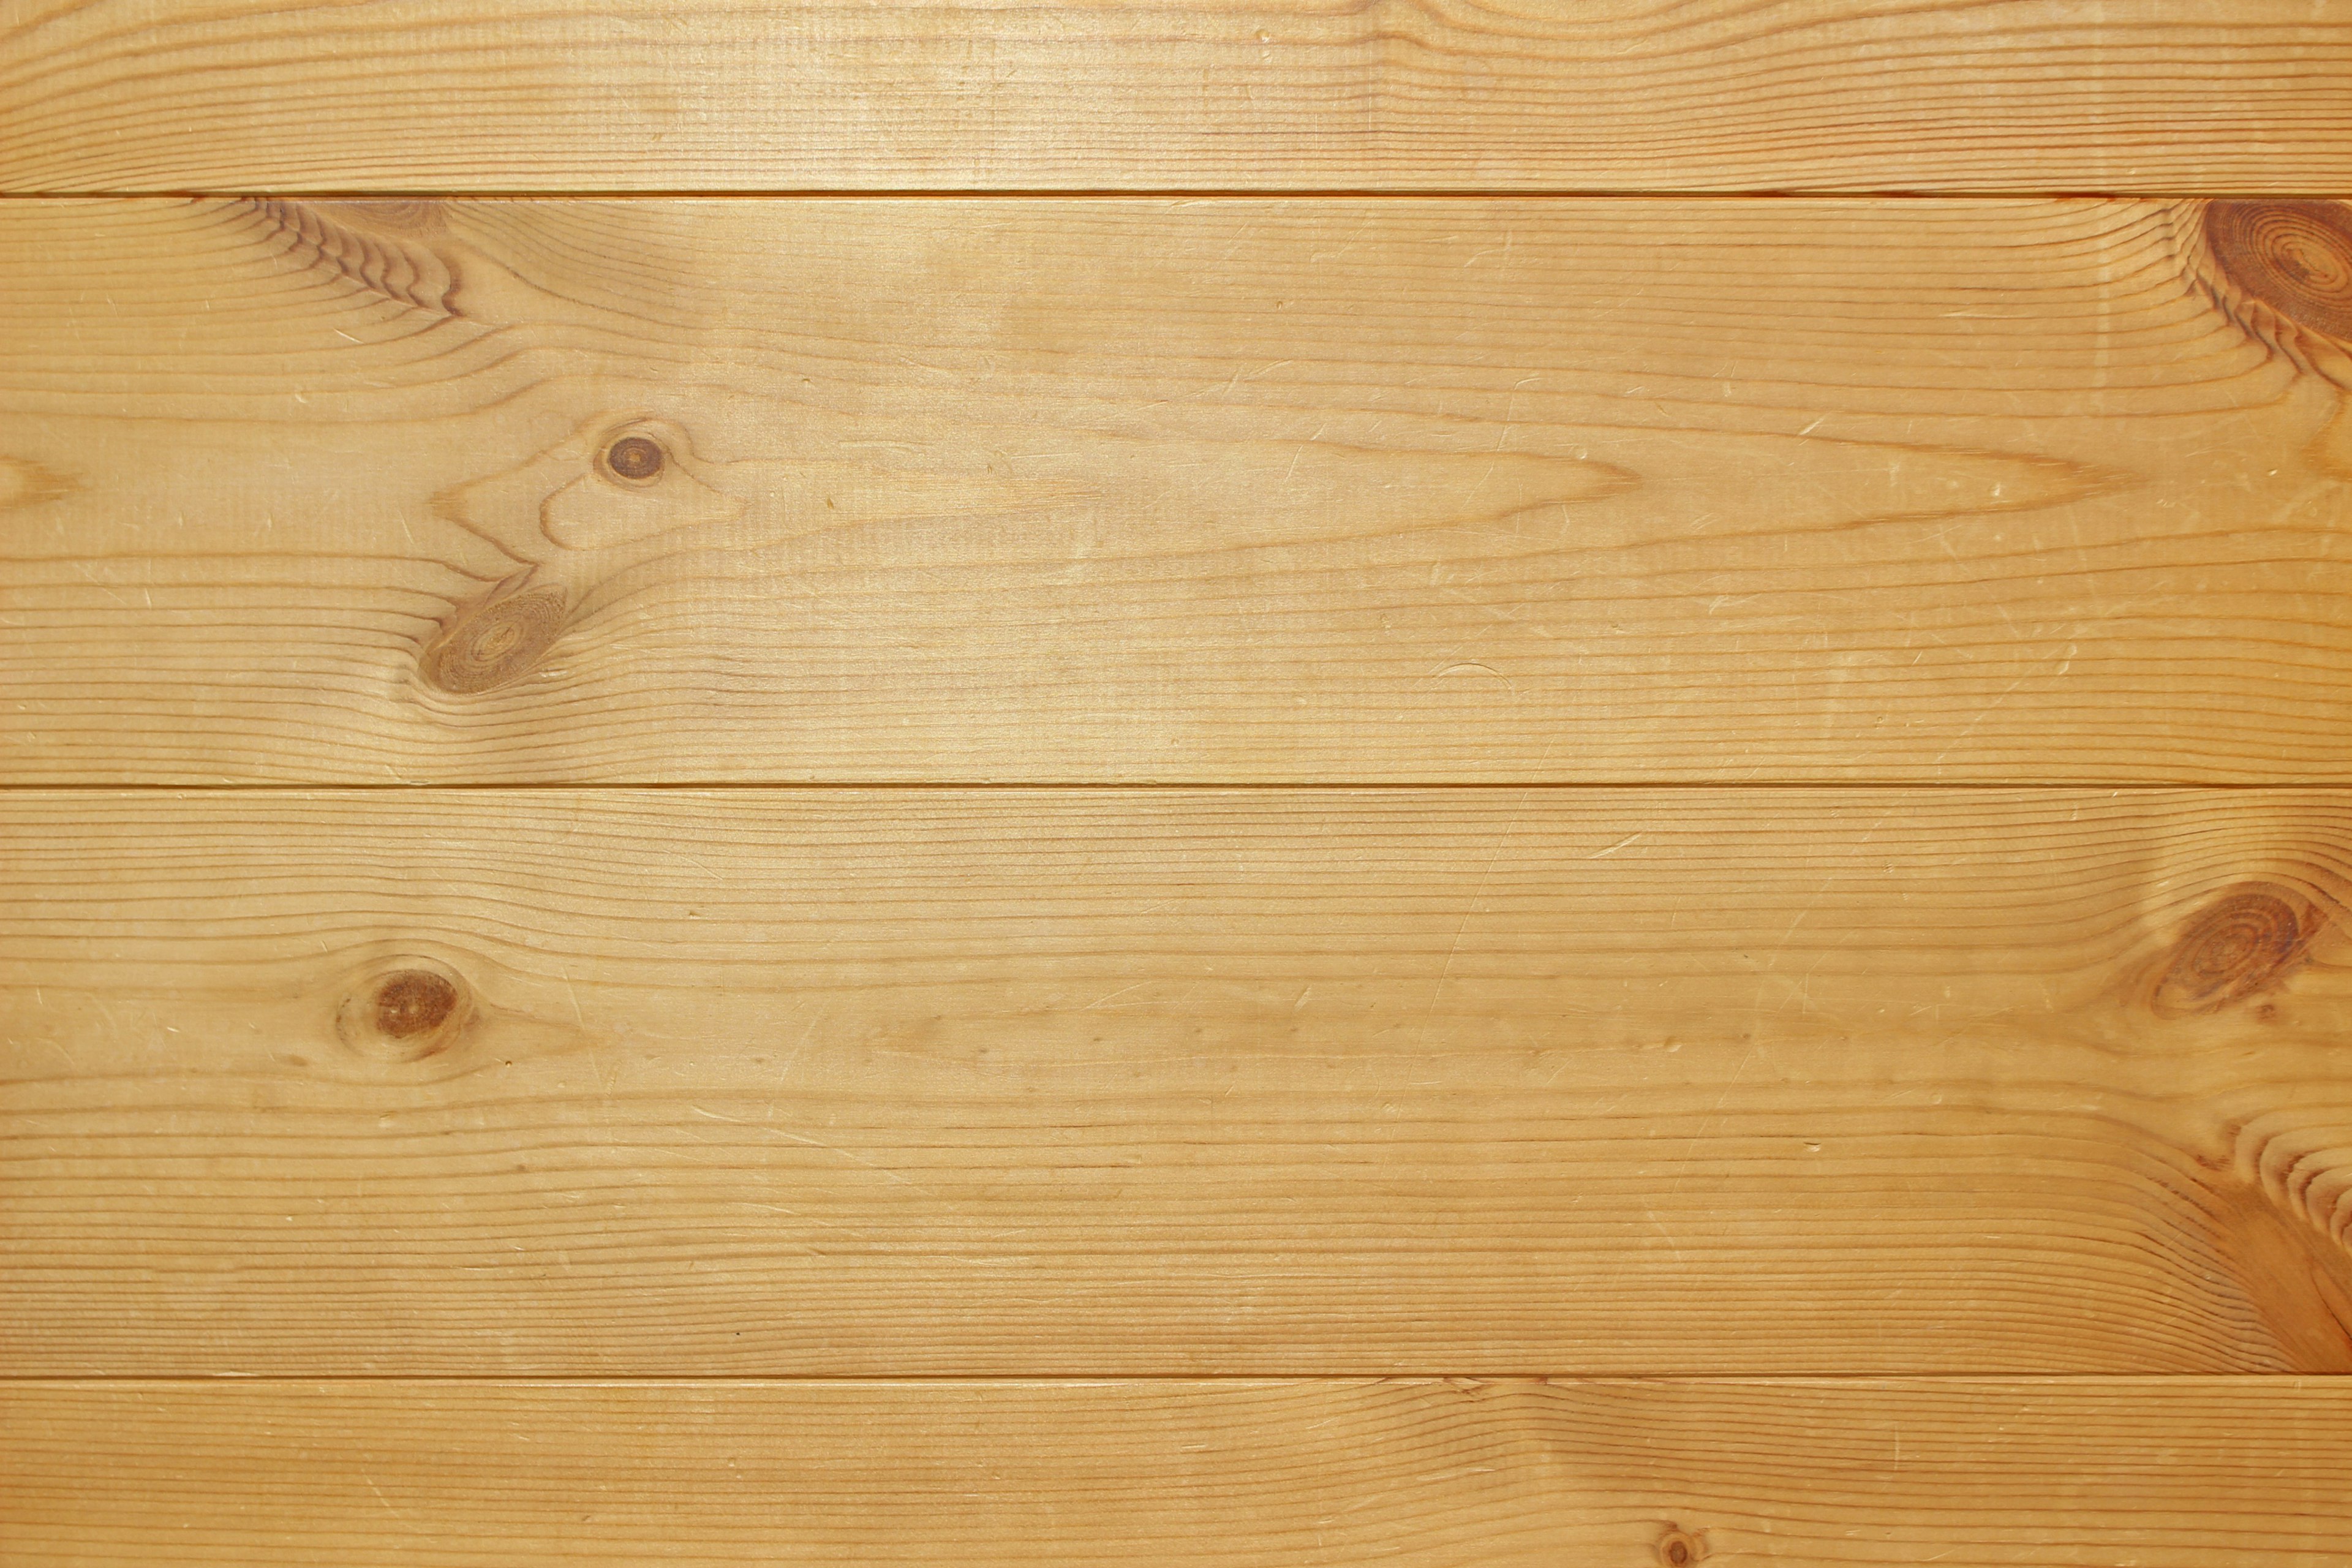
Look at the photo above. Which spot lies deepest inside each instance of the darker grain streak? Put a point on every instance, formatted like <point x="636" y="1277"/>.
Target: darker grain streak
<point x="25" y="483"/>
<point x="2296" y="1277"/>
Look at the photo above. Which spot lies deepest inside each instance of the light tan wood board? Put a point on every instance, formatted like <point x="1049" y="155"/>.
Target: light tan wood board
<point x="557" y="95"/>
<point x="1082" y="1082"/>
<point x="2175" y="1473"/>
<point x="1384" y="490"/>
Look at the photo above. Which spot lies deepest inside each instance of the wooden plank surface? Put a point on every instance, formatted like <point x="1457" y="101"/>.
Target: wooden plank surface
<point x="1388" y="490"/>
<point x="1897" y="1149"/>
<point x="556" y="95"/>
<point x="1083" y="1082"/>
<point x="2174" y="1473"/>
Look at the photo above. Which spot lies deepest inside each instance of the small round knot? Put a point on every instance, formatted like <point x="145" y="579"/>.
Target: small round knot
<point x="497" y="643"/>
<point x="403" y="1011"/>
<point x="412" y="1001"/>
<point x="2241" y="946"/>
<point x="635" y="458"/>
<point x="1677" y="1549"/>
<point x="2293" y="256"/>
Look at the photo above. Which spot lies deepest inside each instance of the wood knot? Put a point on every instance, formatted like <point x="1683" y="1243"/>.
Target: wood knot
<point x="2242" y="946"/>
<point x="404" y="1013"/>
<point x="412" y="1001"/>
<point x="2295" y="257"/>
<point x="635" y="458"/>
<point x="1679" y="1549"/>
<point x="496" y="644"/>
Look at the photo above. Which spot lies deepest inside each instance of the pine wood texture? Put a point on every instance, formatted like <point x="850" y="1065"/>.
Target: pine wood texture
<point x="1476" y="783"/>
<point x="1651" y="1474"/>
<point x="1395" y="490"/>
<point x="554" y="95"/>
<point x="1087" y="1082"/>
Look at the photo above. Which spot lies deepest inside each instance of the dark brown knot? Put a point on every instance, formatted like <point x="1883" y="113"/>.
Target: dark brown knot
<point x="2293" y="256"/>
<point x="2242" y="946"/>
<point x="405" y="1011"/>
<point x="635" y="458"/>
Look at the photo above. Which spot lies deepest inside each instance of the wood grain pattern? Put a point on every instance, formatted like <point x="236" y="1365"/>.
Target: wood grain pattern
<point x="1607" y="1474"/>
<point x="1084" y="1083"/>
<point x="1790" y="1117"/>
<point x="556" y="95"/>
<point x="1217" y="491"/>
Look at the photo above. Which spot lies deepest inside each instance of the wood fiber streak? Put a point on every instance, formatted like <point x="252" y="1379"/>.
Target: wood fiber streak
<point x="2175" y="1473"/>
<point x="1056" y="1082"/>
<point x="1247" y="490"/>
<point x="2148" y="96"/>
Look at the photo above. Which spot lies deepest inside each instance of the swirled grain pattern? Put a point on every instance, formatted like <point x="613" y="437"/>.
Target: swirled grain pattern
<point x="384" y="253"/>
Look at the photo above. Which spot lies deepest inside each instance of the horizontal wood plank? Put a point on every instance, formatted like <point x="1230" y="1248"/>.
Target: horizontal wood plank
<point x="1079" y="1082"/>
<point x="1632" y="1474"/>
<point x="1221" y="491"/>
<point x="557" y="95"/>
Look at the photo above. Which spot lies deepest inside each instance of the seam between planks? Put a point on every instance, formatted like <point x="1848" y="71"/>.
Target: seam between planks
<point x="1182" y="193"/>
<point x="789" y="1380"/>
<point x="1560" y="788"/>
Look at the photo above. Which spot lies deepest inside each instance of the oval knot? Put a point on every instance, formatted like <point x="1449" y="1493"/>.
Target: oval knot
<point x="2242" y="945"/>
<point x="497" y="644"/>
